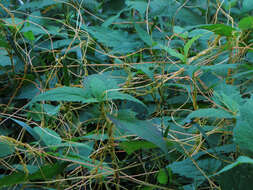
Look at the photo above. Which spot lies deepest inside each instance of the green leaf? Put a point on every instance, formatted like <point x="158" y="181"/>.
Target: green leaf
<point x="5" y="61"/>
<point x="126" y="121"/>
<point x="226" y="100"/>
<point x="247" y="5"/>
<point x="133" y="146"/>
<point x="114" y="95"/>
<point x="243" y="131"/>
<point x="140" y="6"/>
<point x="51" y="110"/>
<point x="120" y="41"/>
<point x="219" y="29"/>
<point x="39" y="4"/>
<point x="144" y="35"/>
<point x="26" y="127"/>
<point x="173" y="52"/>
<point x="29" y="35"/>
<point x="110" y="20"/>
<point x="47" y="136"/>
<point x="209" y="113"/>
<point x="246" y="23"/>
<point x="13" y="179"/>
<point x="162" y="177"/>
<point x="189" y="44"/>
<point x="18" y="22"/>
<point x="91" y="164"/>
<point x="6" y="147"/>
<point x="188" y="169"/>
<point x="49" y="171"/>
<point x="69" y="94"/>
<point x="46" y="172"/>
<point x="240" y="160"/>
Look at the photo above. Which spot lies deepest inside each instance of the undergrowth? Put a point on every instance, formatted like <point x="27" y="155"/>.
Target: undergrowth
<point x="145" y="94"/>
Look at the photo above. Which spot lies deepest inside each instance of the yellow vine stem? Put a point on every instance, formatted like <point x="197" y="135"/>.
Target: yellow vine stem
<point x="204" y="52"/>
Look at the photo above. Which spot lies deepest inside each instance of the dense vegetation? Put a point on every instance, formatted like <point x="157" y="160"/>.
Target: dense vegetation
<point x="126" y="94"/>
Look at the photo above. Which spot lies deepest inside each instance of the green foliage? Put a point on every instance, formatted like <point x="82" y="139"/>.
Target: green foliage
<point x="133" y="146"/>
<point x="45" y="172"/>
<point x="127" y="94"/>
<point x="243" y="129"/>
<point x="6" y="147"/>
<point x="48" y="137"/>
<point x="246" y="23"/>
<point x="219" y="29"/>
<point x="162" y="177"/>
<point x="144" y="129"/>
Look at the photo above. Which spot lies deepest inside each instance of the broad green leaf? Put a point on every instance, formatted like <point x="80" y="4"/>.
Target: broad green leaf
<point x="181" y="13"/>
<point x="189" y="44"/>
<point x="162" y="177"/>
<point x="118" y="40"/>
<point x="219" y="29"/>
<point x="92" y="165"/>
<point x="39" y="4"/>
<point x="110" y="20"/>
<point x="47" y="136"/>
<point x="114" y="95"/>
<point x="46" y="172"/>
<point x="243" y="131"/>
<point x="51" y="110"/>
<point x="246" y="23"/>
<point x="28" y="92"/>
<point x="29" y="35"/>
<point x="126" y="121"/>
<point x="209" y="113"/>
<point x="17" y="22"/>
<point x="83" y="149"/>
<point x="144" y="35"/>
<point x="5" y="61"/>
<point x="6" y="147"/>
<point x="238" y="177"/>
<point x="140" y="6"/>
<point x="4" y="43"/>
<point x="26" y="127"/>
<point x="229" y="101"/>
<point x="188" y="169"/>
<point x="98" y="84"/>
<point x="247" y="5"/>
<point x="73" y="94"/>
<point x="103" y="87"/>
<point x="31" y="168"/>
<point x="132" y="146"/>
<point x="13" y="179"/>
<point x="173" y="52"/>
<point x="97" y="88"/>
<point x="240" y="160"/>
<point x="69" y="94"/>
